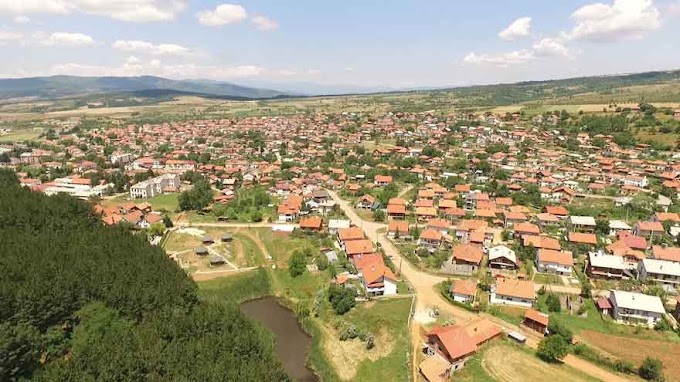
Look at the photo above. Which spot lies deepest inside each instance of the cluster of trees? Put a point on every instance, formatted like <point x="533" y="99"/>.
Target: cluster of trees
<point x="342" y="299"/>
<point x="247" y="205"/>
<point x="198" y="198"/>
<point x="82" y="301"/>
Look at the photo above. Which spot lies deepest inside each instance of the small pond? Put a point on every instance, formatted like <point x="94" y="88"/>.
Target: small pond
<point x="292" y="343"/>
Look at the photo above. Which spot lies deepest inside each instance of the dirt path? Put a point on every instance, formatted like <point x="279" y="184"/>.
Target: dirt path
<point x="424" y="285"/>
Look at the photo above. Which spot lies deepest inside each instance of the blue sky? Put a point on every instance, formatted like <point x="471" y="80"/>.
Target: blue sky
<point x="395" y="43"/>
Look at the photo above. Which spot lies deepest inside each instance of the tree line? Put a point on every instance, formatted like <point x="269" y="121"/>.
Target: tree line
<point x="81" y="301"/>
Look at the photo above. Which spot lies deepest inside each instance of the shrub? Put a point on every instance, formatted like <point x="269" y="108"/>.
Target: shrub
<point x="557" y="329"/>
<point x="651" y="369"/>
<point x="370" y="343"/>
<point x="341" y="298"/>
<point x="552" y="301"/>
<point x="297" y="264"/>
<point x="552" y="349"/>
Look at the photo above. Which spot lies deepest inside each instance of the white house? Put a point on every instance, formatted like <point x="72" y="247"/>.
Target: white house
<point x="513" y="292"/>
<point x="660" y="271"/>
<point x="616" y="226"/>
<point x="502" y="257"/>
<point x="335" y="224"/>
<point x="379" y="281"/>
<point x="636" y="308"/>
<point x="155" y="186"/>
<point x="551" y="261"/>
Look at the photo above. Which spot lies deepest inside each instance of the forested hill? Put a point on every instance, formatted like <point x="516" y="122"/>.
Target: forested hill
<point x="80" y="301"/>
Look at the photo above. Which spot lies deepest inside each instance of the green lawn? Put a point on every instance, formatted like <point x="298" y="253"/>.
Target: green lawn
<point x="473" y="371"/>
<point x="165" y="202"/>
<point x="237" y="288"/>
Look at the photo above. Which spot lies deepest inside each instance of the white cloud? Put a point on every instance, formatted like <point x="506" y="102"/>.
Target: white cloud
<point x="264" y="23"/>
<point x="623" y="19"/>
<point x="124" y="10"/>
<point x="222" y="14"/>
<point x="551" y="47"/>
<point x="68" y="39"/>
<point x="149" y="48"/>
<point x="9" y="36"/>
<point x="21" y="19"/>
<point x="17" y="7"/>
<point x="135" y="67"/>
<point x="519" y="28"/>
<point x="501" y="60"/>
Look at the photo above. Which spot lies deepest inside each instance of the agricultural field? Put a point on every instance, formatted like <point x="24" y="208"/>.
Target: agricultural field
<point x="19" y="135"/>
<point x="508" y="363"/>
<point x="636" y="349"/>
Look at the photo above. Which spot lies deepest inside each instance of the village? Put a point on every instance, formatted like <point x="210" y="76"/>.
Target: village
<point x="494" y="228"/>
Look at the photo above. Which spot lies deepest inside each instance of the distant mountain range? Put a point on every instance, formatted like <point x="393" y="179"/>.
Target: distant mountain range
<point x="495" y="94"/>
<point x="73" y="86"/>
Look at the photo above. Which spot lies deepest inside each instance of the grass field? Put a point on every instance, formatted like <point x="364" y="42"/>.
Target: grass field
<point x="281" y="246"/>
<point x="236" y="288"/>
<point x="544" y="278"/>
<point x="636" y="349"/>
<point x="165" y="202"/>
<point x="595" y="323"/>
<point x="178" y="242"/>
<point x="508" y="363"/>
<point x="246" y="250"/>
<point x="20" y="135"/>
<point x="473" y="371"/>
<point x="386" y="320"/>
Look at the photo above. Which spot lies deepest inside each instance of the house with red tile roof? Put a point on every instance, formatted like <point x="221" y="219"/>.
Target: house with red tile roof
<point x="557" y="262"/>
<point x="466" y="258"/>
<point x="397" y="228"/>
<point x="456" y="344"/>
<point x="513" y="292"/>
<point x="358" y="247"/>
<point x="312" y="223"/>
<point x="648" y="229"/>
<point x="463" y="291"/>
<point x="536" y="321"/>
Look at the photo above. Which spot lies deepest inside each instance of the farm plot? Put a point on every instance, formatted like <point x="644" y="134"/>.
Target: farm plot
<point x="505" y="363"/>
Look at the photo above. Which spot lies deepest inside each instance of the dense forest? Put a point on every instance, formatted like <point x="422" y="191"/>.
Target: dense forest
<point x="80" y="301"/>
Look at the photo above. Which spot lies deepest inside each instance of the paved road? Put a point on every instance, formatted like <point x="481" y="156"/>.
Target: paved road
<point x="424" y="285"/>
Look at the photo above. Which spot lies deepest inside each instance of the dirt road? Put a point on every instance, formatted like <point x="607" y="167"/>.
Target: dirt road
<point x="424" y="285"/>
